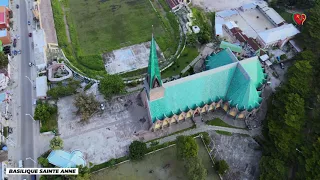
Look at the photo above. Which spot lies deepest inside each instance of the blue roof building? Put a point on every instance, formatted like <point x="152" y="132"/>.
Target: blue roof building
<point x="4" y="3"/>
<point x="65" y="159"/>
<point x="227" y="83"/>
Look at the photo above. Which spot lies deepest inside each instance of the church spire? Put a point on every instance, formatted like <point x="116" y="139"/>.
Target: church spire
<point x="154" y="75"/>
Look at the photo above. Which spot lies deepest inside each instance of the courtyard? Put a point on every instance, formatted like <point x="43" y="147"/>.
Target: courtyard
<point x="108" y="134"/>
<point x="161" y="165"/>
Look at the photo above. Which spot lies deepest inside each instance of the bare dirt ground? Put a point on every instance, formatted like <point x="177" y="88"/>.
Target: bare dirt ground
<point x="108" y="134"/>
<point x="218" y="5"/>
<point x="241" y="153"/>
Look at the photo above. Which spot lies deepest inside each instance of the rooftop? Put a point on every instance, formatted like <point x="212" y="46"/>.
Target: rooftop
<point x="2" y="17"/>
<point x="42" y="86"/>
<point x="233" y="47"/>
<point x="232" y="81"/>
<point x="272" y="14"/>
<point x="65" y="159"/>
<point x="249" y="6"/>
<point x="255" y="46"/>
<point x="4" y="3"/>
<point x="226" y="13"/>
<point x="39" y="46"/>
<point x="278" y="33"/>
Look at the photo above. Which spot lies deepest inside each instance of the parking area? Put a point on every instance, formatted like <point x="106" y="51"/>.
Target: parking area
<point x="241" y="153"/>
<point x="251" y="22"/>
<point x="108" y="134"/>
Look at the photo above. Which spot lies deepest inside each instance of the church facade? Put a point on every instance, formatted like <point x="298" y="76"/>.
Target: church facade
<point x="232" y="85"/>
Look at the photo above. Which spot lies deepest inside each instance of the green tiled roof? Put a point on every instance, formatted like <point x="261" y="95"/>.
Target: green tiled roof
<point x="233" y="47"/>
<point x="222" y="58"/>
<point x="231" y="81"/>
<point x="153" y="66"/>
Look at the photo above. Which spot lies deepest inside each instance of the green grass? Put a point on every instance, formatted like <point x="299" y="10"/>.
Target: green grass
<point x="219" y="122"/>
<point x="177" y="132"/>
<point x="188" y="55"/>
<point x="156" y="162"/>
<point x="224" y="133"/>
<point x="106" y="26"/>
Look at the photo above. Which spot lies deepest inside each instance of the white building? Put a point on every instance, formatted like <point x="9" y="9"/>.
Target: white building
<point x="249" y="6"/>
<point x="277" y="36"/>
<point x="271" y="14"/>
<point x="41" y="87"/>
<point x="40" y="47"/>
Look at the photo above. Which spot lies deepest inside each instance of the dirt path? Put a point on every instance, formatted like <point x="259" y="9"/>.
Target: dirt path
<point x="66" y="24"/>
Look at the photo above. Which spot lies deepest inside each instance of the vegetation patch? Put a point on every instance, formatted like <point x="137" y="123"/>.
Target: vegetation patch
<point x="224" y="133"/>
<point x="65" y="88"/>
<point x="219" y="122"/>
<point x="47" y="114"/>
<point x="93" y="62"/>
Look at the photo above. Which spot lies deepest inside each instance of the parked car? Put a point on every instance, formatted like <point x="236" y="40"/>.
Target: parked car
<point x="282" y="65"/>
<point x="20" y="164"/>
<point x="29" y="22"/>
<point x="14" y="42"/>
<point x="30" y="34"/>
<point x="17" y="6"/>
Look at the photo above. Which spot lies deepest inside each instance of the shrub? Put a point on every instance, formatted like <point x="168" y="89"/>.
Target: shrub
<point x="56" y="143"/>
<point x="222" y="167"/>
<point x="111" y="85"/>
<point x="154" y="143"/>
<point x="283" y="56"/>
<point x="186" y="147"/>
<point x="43" y="161"/>
<point x="206" y="138"/>
<point x="137" y="150"/>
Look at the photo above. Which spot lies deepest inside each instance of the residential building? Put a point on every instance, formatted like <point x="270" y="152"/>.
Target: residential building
<point x="65" y="159"/>
<point x="231" y="85"/>
<point x="41" y="87"/>
<point x="4" y="17"/>
<point x="271" y="14"/>
<point x="5" y="37"/>
<point x="277" y="36"/>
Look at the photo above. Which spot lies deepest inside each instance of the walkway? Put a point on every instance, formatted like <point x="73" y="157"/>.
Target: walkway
<point x="206" y="128"/>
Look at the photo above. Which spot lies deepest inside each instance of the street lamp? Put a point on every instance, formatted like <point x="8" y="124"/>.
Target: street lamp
<point x="29" y="158"/>
<point x="31" y="117"/>
<point x="29" y="80"/>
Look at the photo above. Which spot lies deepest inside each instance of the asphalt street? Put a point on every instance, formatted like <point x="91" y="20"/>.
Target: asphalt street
<point x="26" y="124"/>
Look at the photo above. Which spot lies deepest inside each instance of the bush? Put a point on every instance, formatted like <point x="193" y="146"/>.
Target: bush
<point x="44" y="111"/>
<point x="222" y="167"/>
<point x="137" y="150"/>
<point x="111" y="85"/>
<point x="154" y="143"/>
<point x="56" y="143"/>
<point x="43" y="161"/>
<point x="283" y="57"/>
<point x="62" y="91"/>
<point x="206" y="138"/>
<point x="186" y="147"/>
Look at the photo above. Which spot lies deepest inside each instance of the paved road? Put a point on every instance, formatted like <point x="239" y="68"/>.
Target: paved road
<point x="26" y="125"/>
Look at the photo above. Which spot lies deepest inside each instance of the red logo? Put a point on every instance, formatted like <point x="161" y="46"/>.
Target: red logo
<point x="299" y="18"/>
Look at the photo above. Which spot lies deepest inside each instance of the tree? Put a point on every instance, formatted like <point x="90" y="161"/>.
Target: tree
<point x="84" y="173"/>
<point x="67" y="88"/>
<point x="44" y="111"/>
<point x="3" y="60"/>
<point x="222" y="167"/>
<point x="56" y="143"/>
<point x="137" y="150"/>
<point x="111" y="85"/>
<point x="186" y="147"/>
<point x="195" y="169"/>
<point x="86" y="104"/>
<point x="272" y="168"/>
<point x="43" y="161"/>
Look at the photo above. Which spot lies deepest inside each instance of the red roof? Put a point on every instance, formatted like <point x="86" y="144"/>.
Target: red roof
<point x="2" y="17"/>
<point x="241" y="37"/>
<point x="235" y="30"/>
<point x="173" y="3"/>
<point x="253" y="44"/>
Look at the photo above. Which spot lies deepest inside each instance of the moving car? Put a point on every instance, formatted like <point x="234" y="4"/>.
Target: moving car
<point x="17" y="6"/>
<point x="30" y="34"/>
<point x="29" y="22"/>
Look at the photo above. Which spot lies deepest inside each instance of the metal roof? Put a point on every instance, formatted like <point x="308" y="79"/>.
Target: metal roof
<point x="227" y="13"/>
<point x="236" y="82"/>
<point x="278" y="33"/>
<point x="272" y="14"/>
<point x="41" y="86"/>
<point x="249" y="6"/>
<point x="65" y="159"/>
<point x="264" y="57"/>
<point x="233" y="47"/>
<point x="224" y="57"/>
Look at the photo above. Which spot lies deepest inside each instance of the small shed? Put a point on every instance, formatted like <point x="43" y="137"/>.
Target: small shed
<point x="41" y="87"/>
<point x="264" y="57"/>
<point x="233" y="47"/>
